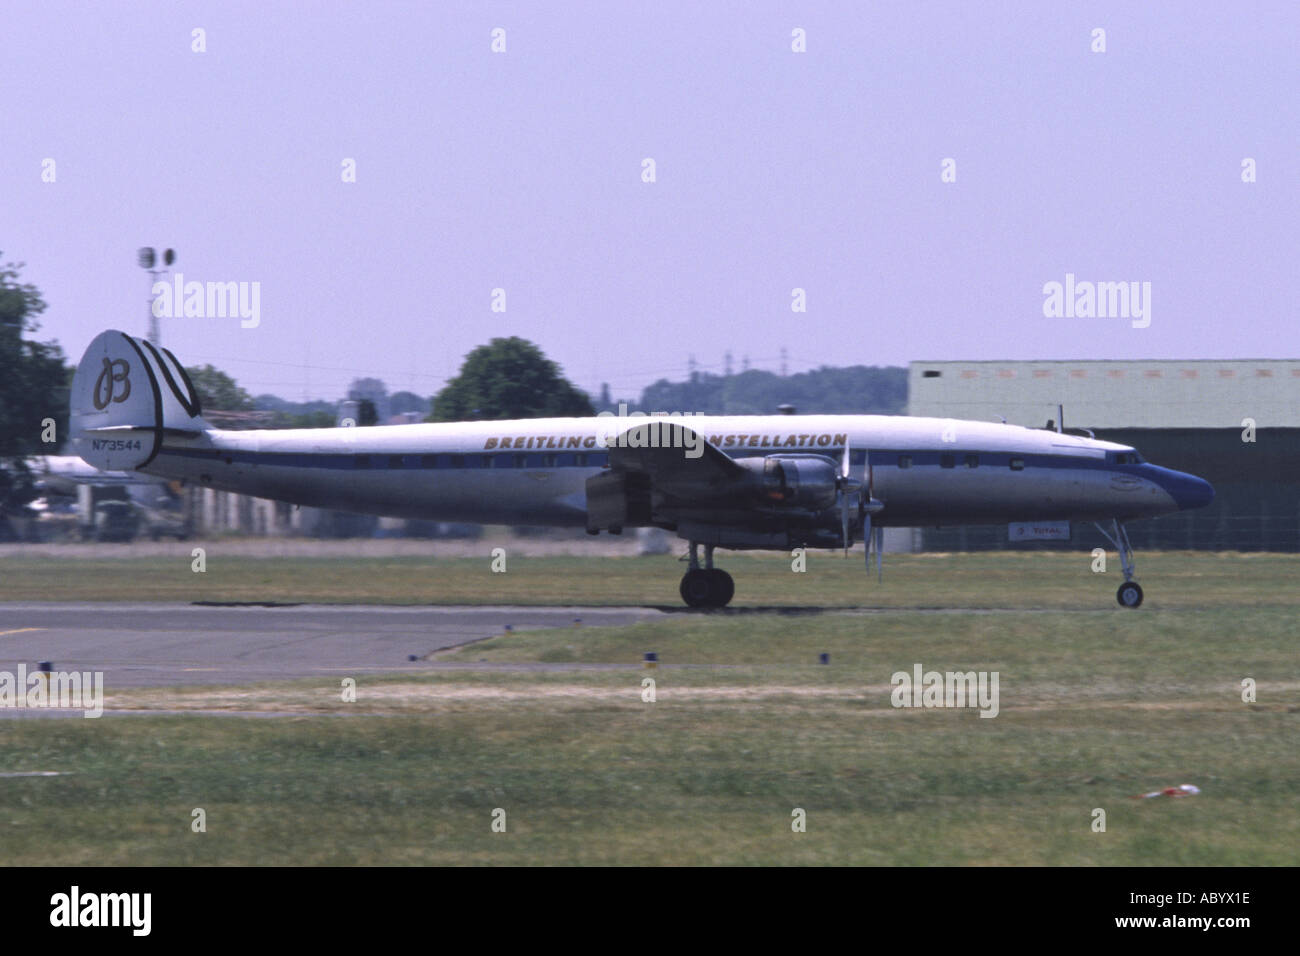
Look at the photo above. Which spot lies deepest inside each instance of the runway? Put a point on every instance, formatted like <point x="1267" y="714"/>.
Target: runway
<point x="157" y="645"/>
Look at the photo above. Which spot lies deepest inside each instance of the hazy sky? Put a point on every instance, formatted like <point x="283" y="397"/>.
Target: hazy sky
<point x="775" y="170"/>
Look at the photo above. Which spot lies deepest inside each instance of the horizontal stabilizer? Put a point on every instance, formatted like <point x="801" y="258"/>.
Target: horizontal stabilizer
<point x="167" y="432"/>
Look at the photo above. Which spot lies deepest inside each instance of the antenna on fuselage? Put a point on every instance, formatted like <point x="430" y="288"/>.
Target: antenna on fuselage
<point x="1060" y="418"/>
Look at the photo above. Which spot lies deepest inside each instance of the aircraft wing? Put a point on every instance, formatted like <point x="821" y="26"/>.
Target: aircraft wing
<point x="678" y="461"/>
<point x="652" y="464"/>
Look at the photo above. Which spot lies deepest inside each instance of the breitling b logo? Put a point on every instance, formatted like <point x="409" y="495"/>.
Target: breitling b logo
<point x="106" y="384"/>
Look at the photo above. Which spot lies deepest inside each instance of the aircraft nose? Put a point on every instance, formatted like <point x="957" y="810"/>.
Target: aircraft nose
<point x="1188" y="491"/>
<point x="1185" y="491"/>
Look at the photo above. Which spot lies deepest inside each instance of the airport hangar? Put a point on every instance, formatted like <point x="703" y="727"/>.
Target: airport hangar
<point x="1190" y="416"/>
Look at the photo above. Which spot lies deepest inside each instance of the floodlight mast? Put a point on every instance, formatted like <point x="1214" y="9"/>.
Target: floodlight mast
<point x="147" y="259"/>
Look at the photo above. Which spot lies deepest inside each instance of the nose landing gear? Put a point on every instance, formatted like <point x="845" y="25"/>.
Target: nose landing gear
<point x="1130" y="592"/>
<point x="706" y="586"/>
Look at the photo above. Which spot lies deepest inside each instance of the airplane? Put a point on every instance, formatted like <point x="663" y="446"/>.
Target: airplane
<point x="736" y="482"/>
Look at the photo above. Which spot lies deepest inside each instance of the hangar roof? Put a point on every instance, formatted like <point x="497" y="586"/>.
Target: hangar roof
<point x="1141" y="394"/>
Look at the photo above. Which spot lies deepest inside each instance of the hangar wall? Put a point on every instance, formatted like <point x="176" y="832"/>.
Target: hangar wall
<point x="1183" y="415"/>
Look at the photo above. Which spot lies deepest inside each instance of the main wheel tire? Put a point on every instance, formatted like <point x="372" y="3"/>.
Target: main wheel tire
<point x="724" y="588"/>
<point x="697" y="588"/>
<point x="1129" y="594"/>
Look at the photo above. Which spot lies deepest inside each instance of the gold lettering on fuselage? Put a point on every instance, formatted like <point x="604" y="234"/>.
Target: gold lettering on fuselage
<point x="824" y="440"/>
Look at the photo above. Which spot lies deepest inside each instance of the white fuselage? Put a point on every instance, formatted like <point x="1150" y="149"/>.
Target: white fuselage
<point x="926" y="471"/>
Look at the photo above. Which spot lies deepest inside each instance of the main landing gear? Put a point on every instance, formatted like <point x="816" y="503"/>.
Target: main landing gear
<point x="1130" y="592"/>
<point x="706" y="586"/>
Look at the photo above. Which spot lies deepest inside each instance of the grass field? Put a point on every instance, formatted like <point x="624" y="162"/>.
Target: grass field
<point x="988" y="580"/>
<point x="1096" y="704"/>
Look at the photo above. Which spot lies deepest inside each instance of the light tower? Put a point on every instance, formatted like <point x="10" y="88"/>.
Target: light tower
<point x="148" y="259"/>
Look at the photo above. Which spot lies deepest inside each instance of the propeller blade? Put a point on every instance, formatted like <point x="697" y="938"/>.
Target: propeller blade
<point x="871" y="536"/>
<point x="866" y="513"/>
<point x="844" y="497"/>
<point x="880" y="553"/>
<point x="844" y="520"/>
<point x="866" y="538"/>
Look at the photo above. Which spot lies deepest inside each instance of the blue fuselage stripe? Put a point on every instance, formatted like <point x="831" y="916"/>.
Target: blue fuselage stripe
<point x="423" y="461"/>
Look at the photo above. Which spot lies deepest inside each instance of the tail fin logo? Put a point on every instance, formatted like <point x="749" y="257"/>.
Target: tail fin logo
<point x="106" y="384"/>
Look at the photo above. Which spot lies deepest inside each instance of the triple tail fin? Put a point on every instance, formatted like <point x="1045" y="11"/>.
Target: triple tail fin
<point x="127" y="395"/>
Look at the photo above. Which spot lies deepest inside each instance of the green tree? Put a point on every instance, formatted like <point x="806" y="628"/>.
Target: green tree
<point x="853" y="390"/>
<point x="33" y="387"/>
<point x="306" y="420"/>
<point x="508" y="378"/>
<point x="366" y="413"/>
<point x="400" y="402"/>
<point x="218" y="391"/>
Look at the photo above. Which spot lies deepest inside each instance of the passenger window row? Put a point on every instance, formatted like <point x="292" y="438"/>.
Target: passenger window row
<point x="968" y="461"/>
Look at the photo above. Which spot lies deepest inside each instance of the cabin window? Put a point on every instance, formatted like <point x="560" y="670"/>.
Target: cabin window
<point x="858" y="457"/>
<point x="548" y="461"/>
<point x="394" y="461"/>
<point x="428" y="461"/>
<point x="520" y="460"/>
<point x="458" y="461"/>
<point x="363" y="461"/>
<point x="931" y="373"/>
<point x="947" y="461"/>
<point x="904" y="461"/>
<point x="972" y="461"/>
<point x="1017" y="464"/>
<point x="580" y="459"/>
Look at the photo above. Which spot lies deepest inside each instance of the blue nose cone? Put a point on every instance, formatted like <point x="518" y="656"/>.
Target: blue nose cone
<point x="1194" y="493"/>
<point x="1188" y="491"/>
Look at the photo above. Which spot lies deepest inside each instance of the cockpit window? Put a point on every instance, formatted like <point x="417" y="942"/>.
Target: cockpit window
<point x="1128" y="458"/>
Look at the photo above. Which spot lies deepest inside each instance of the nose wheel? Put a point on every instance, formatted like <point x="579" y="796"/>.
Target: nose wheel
<point x="1130" y="592"/>
<point x="706" y="586"/>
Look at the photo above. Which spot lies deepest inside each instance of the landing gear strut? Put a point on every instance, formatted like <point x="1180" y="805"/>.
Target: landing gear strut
<point x="1130" y="592"/>
<point x="706" y="586"/>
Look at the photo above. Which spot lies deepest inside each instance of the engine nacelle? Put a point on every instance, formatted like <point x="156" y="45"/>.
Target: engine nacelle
<point x="802" y="482"/>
